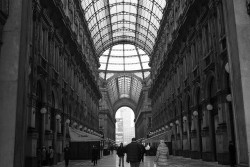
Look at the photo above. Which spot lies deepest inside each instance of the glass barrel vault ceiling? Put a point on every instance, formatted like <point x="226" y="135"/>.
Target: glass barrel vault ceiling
<point x="124" y="33"/>
<point x="124" y="66"/>
<point x="124" y="58"/>
<point x="123" y="21"/>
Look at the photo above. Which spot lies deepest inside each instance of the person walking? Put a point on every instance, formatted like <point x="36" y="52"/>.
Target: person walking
<point x="232" y="152"/>
<point x="162" y="154"/>
<point x="44" y="156"/>
<point x="94" y="155"/>
<point x="120" y="153"/>
<point x="51" y="155"/>
<point x="39" y="157"/>
<point x="143" y="151"/>
<point x="133" y="151"/>
<point x="66" y="155"/>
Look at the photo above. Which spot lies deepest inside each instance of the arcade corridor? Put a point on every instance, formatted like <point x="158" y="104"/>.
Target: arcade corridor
<point x="113" y="161"/>
<point x="181" y="66"/>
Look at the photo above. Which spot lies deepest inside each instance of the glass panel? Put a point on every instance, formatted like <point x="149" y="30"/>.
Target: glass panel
<point x="126" y="12"/>
<point x="109" y="75"/>
<point x="102" y="75"/>
<point x="139" y="74"/>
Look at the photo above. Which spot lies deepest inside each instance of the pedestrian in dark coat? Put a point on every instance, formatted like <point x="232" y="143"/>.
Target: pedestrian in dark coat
<point x="94" y="155"/>
<point x="143" y="151"/>
<point x="44" y="156"/>
<point x="133" y="151"/>
<point x="120" y="153"/>
<point x="232" y="153"/>
<point x="66" y="155"/>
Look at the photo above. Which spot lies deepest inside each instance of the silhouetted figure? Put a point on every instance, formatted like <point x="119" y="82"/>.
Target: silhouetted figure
<point x="51" y="155"/>
<point x="44" y="156"/>
<point x="66" y="155"/>
<point x="39" y="157"/>
<point x="94" y="155"/>
<point x="143" y="151"/>
<point x="133" y="151"/>
<point x="120" y="153"/>
<point x="232" y="153"/>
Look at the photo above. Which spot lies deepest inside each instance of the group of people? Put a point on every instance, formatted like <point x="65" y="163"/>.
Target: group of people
<point x="135" y="154"/>
<point x="45" y="156"/>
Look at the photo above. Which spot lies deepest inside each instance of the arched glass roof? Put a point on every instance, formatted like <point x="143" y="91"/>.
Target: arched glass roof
<point x="123" y="21"/>
<point x="124" y="67"/>
<point x="124" y="85"/>
<point x="124" y="58"/>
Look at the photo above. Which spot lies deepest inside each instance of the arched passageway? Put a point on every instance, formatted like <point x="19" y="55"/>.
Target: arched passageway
<point x="125" y="126"/>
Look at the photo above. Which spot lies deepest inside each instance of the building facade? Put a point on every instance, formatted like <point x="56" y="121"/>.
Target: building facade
<point x="49" y="77"/>
<point x="58" y="79"/>
<point x="106" y="114"/>
<point x="143" y="115"/>
<point x="193" y="85"/>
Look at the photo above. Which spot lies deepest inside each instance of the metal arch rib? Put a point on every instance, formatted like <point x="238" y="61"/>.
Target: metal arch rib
<point x="127" y="72"/>
<point x="150" y="19"/>
<point x="139" y="43"/>
<point x="125" y="13"/>
<point x="117" y="86"/>
<point x="125" y="29"/>
<point x="126" y="41"/>
<point x="109" y="22"/>
<point x="107" y="62"/>
<point x="154" y="2"/>
<point x="127" y="22"/>
<point x="131" y="86"/>
<point x="123" y="3"/>
<point x="97" y="19"/>
<point x="140" y="61"/>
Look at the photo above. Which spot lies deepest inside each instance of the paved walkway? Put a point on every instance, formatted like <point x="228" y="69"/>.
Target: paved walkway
<point x="112" y="161"/>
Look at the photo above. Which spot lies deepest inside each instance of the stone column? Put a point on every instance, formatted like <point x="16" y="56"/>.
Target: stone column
<point x="238" y="41"/>
<point x="13" y="80"/>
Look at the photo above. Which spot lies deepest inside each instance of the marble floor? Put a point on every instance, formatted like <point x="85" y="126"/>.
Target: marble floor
<point x="112" y="161"/>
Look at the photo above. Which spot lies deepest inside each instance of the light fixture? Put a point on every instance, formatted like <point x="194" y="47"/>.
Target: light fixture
<point x="177" y="122"/>
<point x="58" y="117"/>
<point x="84" y="128"/>
<point x="229" y="97"/>
<point x="195" y="113"/>
<point x="80" y="127"/>
<point x="185" y="118"/>
<point x="171" y="124"/>
<point x="162" y="128"/>
<point x="74" y="124"/>
<point x="209" y="107"/>
<point x="166" y="126"/>
<point x="227" y="67"/>
<point x="43" y="110"/>
<point x="67" y="121"/>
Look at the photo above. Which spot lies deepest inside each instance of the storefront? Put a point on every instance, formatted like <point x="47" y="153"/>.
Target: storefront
<point x="81" y="144"/>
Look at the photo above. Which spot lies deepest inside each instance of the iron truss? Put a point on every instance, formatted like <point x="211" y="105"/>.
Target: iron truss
<point x="124" y="85"/>
<point x="113" y="22"/>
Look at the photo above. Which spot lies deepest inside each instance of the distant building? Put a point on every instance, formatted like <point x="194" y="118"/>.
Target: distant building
<point x="128" y="126"/>
<point x="119" y="131"/>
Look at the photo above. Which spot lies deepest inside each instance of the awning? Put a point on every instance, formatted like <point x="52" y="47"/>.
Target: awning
<point x="81" y="136"/>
